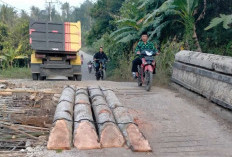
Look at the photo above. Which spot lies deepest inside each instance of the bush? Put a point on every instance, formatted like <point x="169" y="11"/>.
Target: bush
<point x="122" y="69"/>
<point x="165" y="61"/>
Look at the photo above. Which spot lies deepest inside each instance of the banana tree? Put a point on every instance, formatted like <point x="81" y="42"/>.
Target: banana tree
<point x="182" y="11"/>
<point x="9" y="56"/>
<point x="128" y="31"/>
<point x="225" y="19"/>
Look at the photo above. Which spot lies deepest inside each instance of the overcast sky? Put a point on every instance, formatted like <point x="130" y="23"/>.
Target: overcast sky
<point x="26" y="4"/>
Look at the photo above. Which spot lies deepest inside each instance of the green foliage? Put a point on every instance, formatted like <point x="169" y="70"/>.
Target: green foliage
<point x="103" y="12"/>
<point x="129" y="9"/>
<point x="9" y="55"/>
<point x="225" y="19"/>
<point x="165" y="61"/>
<point x="129" y="31"/>
<point x="7" y="15"/>
<point x="123" y="70"/>
<point x="176" y="11"/>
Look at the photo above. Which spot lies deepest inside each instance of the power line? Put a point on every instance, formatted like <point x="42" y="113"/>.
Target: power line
<point x="12" y="6"/>
<point x="50" y="10"/>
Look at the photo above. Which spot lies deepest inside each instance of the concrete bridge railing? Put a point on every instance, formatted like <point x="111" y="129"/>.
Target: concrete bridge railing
<point x="207" y="74"/>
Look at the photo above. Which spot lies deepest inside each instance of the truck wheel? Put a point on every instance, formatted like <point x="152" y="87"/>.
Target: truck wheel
<point x="42" y="78"/>
<point x="35" y="76"/>
<point x="78" y="77"/>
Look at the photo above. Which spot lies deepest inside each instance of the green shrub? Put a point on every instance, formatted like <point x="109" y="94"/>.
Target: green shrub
<point x="165" y="61"/>
<point x="122" y="71"/>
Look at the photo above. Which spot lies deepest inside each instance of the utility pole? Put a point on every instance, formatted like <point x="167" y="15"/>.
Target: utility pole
<point x="49" y="8"/>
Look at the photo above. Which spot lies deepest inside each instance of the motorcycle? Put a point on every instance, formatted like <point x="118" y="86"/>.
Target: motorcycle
<point x="145" y="71"/>
<point x="90" y="67"/>
<point x="101" y="74"/>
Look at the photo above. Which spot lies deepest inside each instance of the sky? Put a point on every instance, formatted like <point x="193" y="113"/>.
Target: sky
<point x="26" y="4"/>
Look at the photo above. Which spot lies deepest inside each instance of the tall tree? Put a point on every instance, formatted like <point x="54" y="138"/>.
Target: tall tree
<point x="7" y="15"/>
<point x="103" y="12"/>
<point x="35" y="13"/>
<point x="66" y="12"/>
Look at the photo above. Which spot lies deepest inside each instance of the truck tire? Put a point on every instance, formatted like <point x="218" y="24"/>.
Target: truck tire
<point x="35" y="76"/>
<point x="78" y="77"/>
<point x="42" y="78"/>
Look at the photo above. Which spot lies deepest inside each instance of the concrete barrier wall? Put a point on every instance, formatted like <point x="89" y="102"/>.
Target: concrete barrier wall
<point x="207" y="74"/>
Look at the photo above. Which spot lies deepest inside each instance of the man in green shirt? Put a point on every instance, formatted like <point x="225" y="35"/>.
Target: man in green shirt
<point x="142" y="45"/>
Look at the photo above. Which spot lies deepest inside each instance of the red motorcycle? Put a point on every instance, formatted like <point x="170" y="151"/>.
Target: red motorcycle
<point x="145" y="71"/>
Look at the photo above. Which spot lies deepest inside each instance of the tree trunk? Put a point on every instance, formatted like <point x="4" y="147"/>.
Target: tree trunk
<point x="110" y="135"/>
<point x="61" y="134"/>
<point x="6" y="93"/>
<point x="196" y="39"/>
<point x="82" y="96"/>
<point x="111" y="98"/>
<point x="135" y="139"/>
<point x="85" y="136"/>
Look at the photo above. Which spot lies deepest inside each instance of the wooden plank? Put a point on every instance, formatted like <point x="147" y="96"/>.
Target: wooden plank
<point x="19" y="90"/>
<point x="3" y="93"/>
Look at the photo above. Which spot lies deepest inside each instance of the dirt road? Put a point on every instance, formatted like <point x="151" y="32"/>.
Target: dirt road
<point x="172" y="123"/>
<point x="85" y="73"/>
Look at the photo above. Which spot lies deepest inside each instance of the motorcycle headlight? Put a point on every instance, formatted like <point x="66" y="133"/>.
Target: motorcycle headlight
<point x="148" y="53"/>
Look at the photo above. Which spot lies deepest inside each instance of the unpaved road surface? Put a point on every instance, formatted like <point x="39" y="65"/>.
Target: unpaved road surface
<point x="172" y="123"/>
<point x="84" y="69"/>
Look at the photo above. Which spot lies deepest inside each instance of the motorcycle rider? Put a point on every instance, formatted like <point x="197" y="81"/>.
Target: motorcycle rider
<point x="82" y="58"/>
<point x="144" y="44"/>
<point x="97" y="56"/>
<point x="89" y="63"/>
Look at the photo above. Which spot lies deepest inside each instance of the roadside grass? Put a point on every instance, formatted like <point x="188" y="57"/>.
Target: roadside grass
<point x="121" y="70"/>
<point x="15" y="73"/>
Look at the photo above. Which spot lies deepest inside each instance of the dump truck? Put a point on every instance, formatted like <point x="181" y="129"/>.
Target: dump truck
<point x="55" y="50"/>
